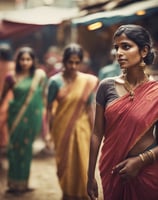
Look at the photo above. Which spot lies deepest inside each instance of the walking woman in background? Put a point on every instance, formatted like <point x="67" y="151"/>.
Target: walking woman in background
<point x="126" y="117"/>
<point x="6" y="67"/>
<point x="71" y="92"/>
<point x="24" y="117"/>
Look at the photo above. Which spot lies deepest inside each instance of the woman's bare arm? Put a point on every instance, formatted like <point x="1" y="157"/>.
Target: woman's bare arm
<point x="7" y="86"/>
<point x="96" y="139"/>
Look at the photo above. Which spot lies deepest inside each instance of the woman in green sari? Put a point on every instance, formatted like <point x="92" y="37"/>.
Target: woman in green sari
<point x="24" y="117"/>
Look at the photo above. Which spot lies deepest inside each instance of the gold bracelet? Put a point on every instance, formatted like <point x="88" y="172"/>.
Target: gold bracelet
<point x="153" y="155"/>
<point x="141" y="157"/>
<point x="150" y="155"/>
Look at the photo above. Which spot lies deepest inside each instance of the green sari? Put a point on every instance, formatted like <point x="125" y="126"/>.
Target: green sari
<point x="23" y="128"/>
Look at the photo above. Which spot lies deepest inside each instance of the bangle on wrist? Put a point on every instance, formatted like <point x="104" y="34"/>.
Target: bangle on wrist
<point x="153" y="155"/>
<point x="148" y="156"/>
<point x="141" y="157"/>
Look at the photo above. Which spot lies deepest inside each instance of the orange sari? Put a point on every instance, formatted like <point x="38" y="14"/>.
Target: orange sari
<point x="5" y="68"/>
<point x="126" y="122"/>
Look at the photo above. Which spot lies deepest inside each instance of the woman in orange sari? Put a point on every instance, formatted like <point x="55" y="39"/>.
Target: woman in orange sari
<point x="7" y="66"/>
<point x="71" y="93"/>
<point x="24" y="117"/>
<point x="126" y="120"/>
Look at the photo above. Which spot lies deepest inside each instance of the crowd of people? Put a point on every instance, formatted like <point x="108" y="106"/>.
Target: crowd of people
<point x="84" y="117"/>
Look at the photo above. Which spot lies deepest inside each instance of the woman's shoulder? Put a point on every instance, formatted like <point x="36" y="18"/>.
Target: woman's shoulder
<point x="109" y="80"/>
<point x="153" y="83"/>
<point x="89" y="77"/>
<point x="40" y="72"/>
<point x="108" y="84"/>
<point x="56" y="79"/>
<point x="10" y="78"/>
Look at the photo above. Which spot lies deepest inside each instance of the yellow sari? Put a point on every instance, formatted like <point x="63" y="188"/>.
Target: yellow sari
<point x="71" y="132"/>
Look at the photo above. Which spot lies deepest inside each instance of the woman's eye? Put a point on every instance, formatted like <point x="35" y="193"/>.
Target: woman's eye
<point x="126" y="46"/>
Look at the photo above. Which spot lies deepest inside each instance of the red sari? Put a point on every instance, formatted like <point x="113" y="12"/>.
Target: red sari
<point x="126" y="122"/>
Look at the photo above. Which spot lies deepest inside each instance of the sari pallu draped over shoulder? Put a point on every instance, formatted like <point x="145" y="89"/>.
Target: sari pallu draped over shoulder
<point x="24" y="122"/>
<point x="72" y="137"/>
<point x="126" y="122"/>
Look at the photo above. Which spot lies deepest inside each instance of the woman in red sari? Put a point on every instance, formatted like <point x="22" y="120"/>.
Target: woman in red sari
<point x="126" y="120"/>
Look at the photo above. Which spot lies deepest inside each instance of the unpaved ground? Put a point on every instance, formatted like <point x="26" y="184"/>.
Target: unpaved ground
<point x="43" y="178"/>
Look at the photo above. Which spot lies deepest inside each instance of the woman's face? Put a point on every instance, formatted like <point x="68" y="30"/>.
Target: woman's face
<point x="25" y="61"/>
<point x="73" y="63"/>
<point x="127" y="52"/>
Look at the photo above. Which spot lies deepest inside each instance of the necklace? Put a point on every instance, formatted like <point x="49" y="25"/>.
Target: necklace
<point x="128" y="87"/>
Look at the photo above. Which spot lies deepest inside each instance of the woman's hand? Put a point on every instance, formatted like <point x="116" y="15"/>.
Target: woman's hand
<point x="128" y="168"/>
<point x="92" y="189"/>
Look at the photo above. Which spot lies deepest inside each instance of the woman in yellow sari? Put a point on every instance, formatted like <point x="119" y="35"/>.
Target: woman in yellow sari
<point x="72" y="92"/>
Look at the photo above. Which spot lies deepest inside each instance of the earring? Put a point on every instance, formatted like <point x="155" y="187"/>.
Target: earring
<point x="142" y="64"/>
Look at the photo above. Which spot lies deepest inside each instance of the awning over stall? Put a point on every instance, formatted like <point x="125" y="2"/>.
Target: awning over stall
<point x="40" y="15"/>
<point x="126" y="14"/>
<point x="22" y="22"/>
<point x="12" y="30"/>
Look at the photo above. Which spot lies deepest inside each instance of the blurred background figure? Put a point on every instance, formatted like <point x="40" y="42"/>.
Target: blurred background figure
<point x="72" y="91"/>
<point x="24" y="117"/>
<point x="153" y="72"/>
<point x="52" y="61"/>
<point x="110" y="70"/>
<point x="6" y="67"/>
<point x="86" y="64"/>
<point x="52" y="64"/>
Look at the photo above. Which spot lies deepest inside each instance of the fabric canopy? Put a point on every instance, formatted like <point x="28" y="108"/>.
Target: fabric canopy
<point x="11" y="30"/>
<point x="124" y="14"/>
<point x="40" y="15"/>
<point x="21" y="22"/>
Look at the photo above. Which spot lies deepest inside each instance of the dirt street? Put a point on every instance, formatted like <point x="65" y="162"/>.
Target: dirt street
<point x="43" y="178"/>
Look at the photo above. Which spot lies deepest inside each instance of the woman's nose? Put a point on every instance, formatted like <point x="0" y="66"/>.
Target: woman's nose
<point x="74" y="65"/>
<point x="119" y="52"/>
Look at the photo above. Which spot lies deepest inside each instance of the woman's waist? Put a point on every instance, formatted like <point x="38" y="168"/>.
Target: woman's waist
<point x="141" y="150"/>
